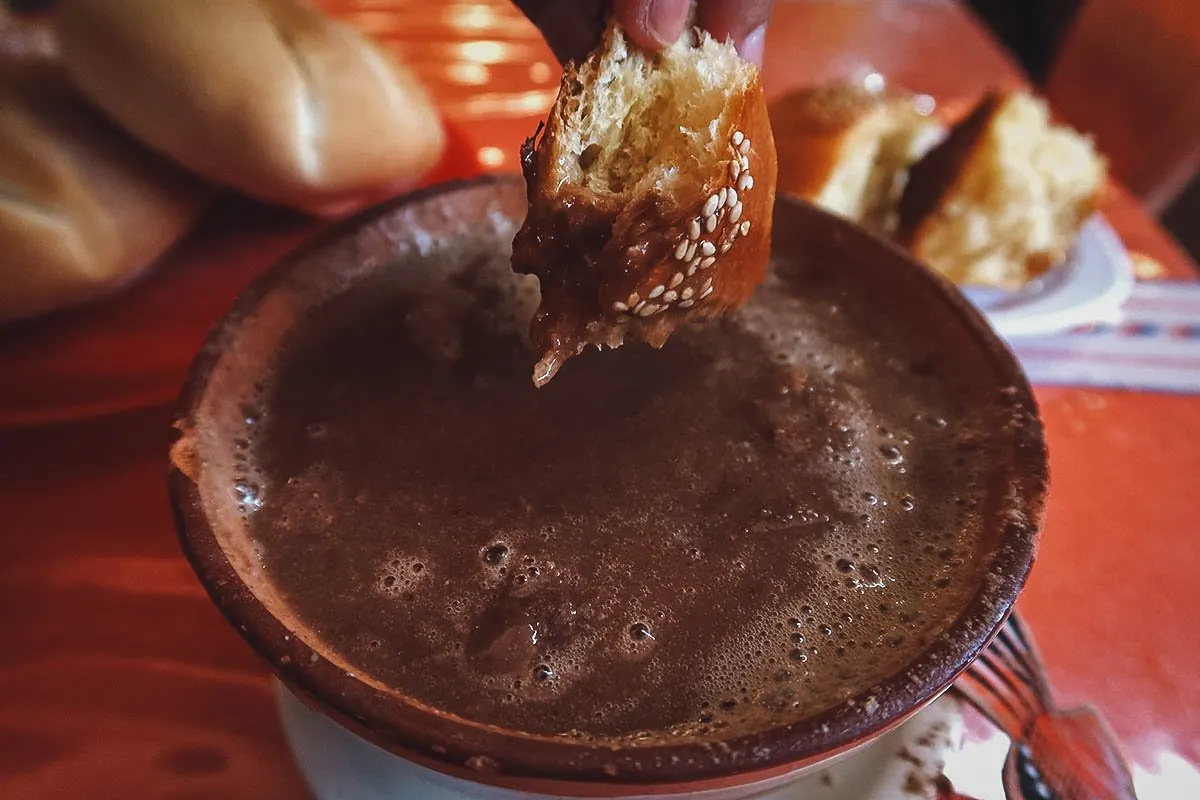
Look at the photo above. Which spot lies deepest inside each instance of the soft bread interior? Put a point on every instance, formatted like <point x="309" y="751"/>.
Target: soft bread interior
<point x="1019" y="201"/>
<point x="909" y="135"/>
<point x="634" y="122"/>
<point x="877" y="139"/>
<point x="855" y="171"/>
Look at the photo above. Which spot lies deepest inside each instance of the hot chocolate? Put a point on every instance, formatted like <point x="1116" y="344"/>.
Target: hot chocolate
<point x="709" y="565"/>
<point x="765" y="518"/>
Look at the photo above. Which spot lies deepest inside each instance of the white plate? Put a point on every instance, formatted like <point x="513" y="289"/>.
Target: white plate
<point x="900" y="765"/>
<point x="1090" y="286"/>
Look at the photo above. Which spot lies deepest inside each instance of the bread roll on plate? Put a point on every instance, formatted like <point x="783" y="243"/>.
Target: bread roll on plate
<point x="651" y="191"/>
<point x="1000" y="201"/>
<point x="270" y="97"/>
<point x="848" y="149"/>
<point x="83" y="208"/>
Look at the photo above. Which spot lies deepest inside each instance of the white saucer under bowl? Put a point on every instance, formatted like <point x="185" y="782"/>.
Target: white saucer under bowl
<point x="1089" y="286"/>
<point x="339" y="765"/>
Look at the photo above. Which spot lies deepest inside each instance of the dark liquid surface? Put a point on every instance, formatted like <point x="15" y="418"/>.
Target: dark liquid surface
<point x="763" y="518"/>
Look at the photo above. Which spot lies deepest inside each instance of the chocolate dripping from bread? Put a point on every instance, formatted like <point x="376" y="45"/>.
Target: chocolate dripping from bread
<point x="639" y="254"/>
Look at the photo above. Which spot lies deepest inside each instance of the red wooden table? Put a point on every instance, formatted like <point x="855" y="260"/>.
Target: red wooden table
<point x="118" y="679"/>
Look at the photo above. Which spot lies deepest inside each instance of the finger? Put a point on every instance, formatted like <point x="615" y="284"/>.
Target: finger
<point x="572" y="28"/>
<point x="754" y="45"/>
<point x="744" y="22"/>
<point x="652" y="23"/>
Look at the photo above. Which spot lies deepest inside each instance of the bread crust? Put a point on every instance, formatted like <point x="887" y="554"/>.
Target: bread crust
<point x="82" y="207"/>
<point x="937" y="175"/>
<point x="270" y="97"/>
<point x="612" y="266"/>
<point x="812" y="125"/>
<point x="848" y="148"/>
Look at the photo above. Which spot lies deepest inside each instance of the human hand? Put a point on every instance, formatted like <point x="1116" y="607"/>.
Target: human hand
<point x="573" y="27"/>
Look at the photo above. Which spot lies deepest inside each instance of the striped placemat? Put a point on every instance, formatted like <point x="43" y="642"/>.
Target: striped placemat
<point x="1155" y="346"/>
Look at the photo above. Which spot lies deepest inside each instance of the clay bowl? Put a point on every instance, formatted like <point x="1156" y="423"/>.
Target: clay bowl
<point x="477" y="220"/>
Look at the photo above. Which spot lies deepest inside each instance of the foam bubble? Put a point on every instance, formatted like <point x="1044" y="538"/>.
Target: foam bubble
<point x="402" y="574"/>
<point x="249" y="495"/>
<point x="494" y="555"/>
<point x="789" y="642"/>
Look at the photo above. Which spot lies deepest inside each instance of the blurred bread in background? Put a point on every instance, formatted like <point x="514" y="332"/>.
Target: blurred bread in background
<point x="1001" y="200"/>
<point x="270" y="97"/>
<point x="997" y="201"/>
<point x="848" y="149"/>
<point x="83" y="208"/>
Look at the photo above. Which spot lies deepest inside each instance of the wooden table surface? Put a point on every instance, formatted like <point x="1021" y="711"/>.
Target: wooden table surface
<point x="118" y="679"/>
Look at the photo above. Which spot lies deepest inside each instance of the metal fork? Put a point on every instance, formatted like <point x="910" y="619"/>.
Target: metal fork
<point x="1056" y="754"/>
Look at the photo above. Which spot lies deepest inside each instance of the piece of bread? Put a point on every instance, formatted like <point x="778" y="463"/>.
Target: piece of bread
<point x="1001" y="200"/>
<point x="848" y="149"/>
<point x="651" y="191"/>
<point x="83" y="208"/>
<point x="270" y="97"/>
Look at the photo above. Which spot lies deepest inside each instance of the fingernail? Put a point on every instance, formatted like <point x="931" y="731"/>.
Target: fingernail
<point x="665" y="19"/>
<point x="754" y="44"/>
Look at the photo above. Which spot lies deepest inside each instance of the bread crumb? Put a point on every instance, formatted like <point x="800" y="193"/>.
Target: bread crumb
<point x="1146" y="268"/>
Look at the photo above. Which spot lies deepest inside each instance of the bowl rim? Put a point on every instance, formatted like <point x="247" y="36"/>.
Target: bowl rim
<point x="491" y="753"/>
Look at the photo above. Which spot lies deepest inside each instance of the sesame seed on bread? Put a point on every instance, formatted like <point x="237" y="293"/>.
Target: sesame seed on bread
<point x="651" y="191"/>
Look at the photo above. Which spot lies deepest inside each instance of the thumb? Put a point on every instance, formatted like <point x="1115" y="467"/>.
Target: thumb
<point x="652" y="23"/>
<point x="744" y="22"/>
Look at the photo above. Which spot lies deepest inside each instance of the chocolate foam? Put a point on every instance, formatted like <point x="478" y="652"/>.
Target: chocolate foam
<point x="767" y="520"/>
